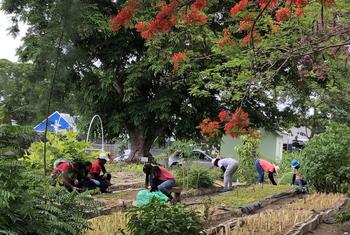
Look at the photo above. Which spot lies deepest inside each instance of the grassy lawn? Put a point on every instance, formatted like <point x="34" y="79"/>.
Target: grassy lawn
<point x="125" y="167"/>
<point x="243" y="196"/>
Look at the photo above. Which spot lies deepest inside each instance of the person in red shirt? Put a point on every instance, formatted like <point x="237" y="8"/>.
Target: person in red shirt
<point x="265" y="166"/>
<point x="103" y="181"/>
<point x="159" y="178"/>
<point x="68" y="171"/>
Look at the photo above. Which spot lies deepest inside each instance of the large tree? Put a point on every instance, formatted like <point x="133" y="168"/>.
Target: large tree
<point x="111" y="73"/>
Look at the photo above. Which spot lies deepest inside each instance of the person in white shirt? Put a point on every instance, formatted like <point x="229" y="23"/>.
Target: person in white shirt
<point x="229" y="166"/>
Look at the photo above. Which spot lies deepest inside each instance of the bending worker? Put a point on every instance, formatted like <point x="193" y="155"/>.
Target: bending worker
<point x="159" y="178"/>
<point x="229" y="166"/>
<point x="265" y="166"/>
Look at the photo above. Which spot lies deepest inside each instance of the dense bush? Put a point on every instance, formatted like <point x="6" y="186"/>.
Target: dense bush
<point x="326" y="160"/>
<point x="247" y="154"/>
<point x="158" y="218"/>
<point x="343" y="215"/>
<point x="28" y="205"/>
<point x="58" y="146"/>
<point x="15" y="139"/>
<point x="195" y="176"/>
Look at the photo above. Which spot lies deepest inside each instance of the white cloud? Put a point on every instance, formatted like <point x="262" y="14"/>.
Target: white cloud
<point x="9" y="44"/>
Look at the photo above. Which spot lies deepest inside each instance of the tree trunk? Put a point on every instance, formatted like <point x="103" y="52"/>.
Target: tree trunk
<point x="140" y="143"/>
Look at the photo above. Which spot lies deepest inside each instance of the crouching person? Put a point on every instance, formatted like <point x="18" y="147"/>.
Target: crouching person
<point x="99" y="175"/>
<point x="229" y="166"/>
<point x="160" y="179"/>
<point x="65" y="174"/>
<point x="297" y="179"/>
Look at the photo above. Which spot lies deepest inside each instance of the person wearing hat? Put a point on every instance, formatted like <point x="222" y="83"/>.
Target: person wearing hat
<point x="263" y="166"/>
<point x="229" y="166"/>
<point x="297" y="178"/>
<point x="98" y="167"/>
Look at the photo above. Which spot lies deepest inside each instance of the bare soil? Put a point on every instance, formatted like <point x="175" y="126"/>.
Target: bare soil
<point x="332" y="229"/>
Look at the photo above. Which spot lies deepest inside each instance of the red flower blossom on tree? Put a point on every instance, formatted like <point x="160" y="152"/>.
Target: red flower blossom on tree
<point x="163" y="21"/>
<point x="237" y="124"/>
<point x="199" y="4"/>
<point x="178" y="58"/>
<point x="194" y="16"/>
<point x="248" y="38"/>
<point x="298" y="3"/>
<point x="283" y="14"/>
<point x="298" y="12"/>
<point x="223" y="115"/>
<point x="241" y="5"/>
<point x="272" y="4"/>
<point x="275" y="27"/>
<point x="227" y="39"/>
<point x="245" y="25"/>
<point x="124" y="16"/>
<point x="209" y="128"/>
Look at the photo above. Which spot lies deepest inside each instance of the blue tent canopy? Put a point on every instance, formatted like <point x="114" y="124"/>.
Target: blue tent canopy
<point x="57" y="122"/>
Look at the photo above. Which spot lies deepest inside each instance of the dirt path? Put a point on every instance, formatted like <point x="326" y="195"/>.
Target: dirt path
<point x="332" y="229"/>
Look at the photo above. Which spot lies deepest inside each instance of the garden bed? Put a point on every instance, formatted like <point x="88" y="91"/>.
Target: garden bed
<point x="283" y="219"/>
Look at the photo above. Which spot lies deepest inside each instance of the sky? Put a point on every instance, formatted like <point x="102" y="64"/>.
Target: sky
<point x="8" y="43"/>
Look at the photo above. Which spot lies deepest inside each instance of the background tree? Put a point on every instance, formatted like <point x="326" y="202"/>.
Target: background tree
<point x="111" y="74"/>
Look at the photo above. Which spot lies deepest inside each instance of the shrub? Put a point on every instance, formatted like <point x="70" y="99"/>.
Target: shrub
<point x="158" y="218"/>
<point x="28" y="205"/>
<point x="15" y="139"/>
<point x="326" y="160"/>
<point x="247" y="154"/>
<point x="195" y="176"/>
<point x="58" y="146"/>
<point x="343" y="216"/>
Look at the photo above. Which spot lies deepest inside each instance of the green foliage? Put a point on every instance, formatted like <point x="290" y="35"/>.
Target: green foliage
<point x="158" y="218"/>
<point x="326" y="159"/>
<point x="14" y="140"/>
<point x="344" y="215"/>
<point x="28" y="205"/>
<point x="244" y="196"/>
<point x="183" y="147"/>
<point x="195" y="176"/>
<point x="247" y="155"/>
<point x="63" y="145"/>
<point x="286" y="161"/>
<point x="126" y="167"/>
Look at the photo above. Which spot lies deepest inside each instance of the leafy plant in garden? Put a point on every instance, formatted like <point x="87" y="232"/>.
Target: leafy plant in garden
<point x="247" y="155"/>
<point x="195" y="176"/>
<point x="14" y="140"/>
<point x="183" y="147"/>
<point x="28" y="205"/>
<point x="343" y="215"/>
<point x="326" y="159"/>
<point x="63" y="145"/>
<point x="161" y="218"/>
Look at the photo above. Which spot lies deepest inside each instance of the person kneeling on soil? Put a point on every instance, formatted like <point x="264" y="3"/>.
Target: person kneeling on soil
<point x="265" y="166"/>
<point x="85" y="178"/>
<point x="297" y="178"/>
<point x="65" y="174"/>
<point x="103" y="181"/>
<point x="229" y="166"/>
<point x="159" y="178"/>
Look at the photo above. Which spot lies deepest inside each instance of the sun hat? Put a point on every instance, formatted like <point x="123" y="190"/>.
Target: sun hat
<point x="277" y="168"/>
<point x="103" y="156"/>
<point x="294" y="163"/>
